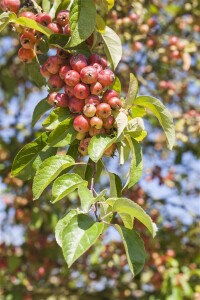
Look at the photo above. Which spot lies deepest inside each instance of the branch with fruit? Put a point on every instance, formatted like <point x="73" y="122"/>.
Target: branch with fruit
<point x="71" y="50"/>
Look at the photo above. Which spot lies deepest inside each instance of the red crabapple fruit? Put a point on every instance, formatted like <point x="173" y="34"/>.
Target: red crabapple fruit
<point x="81" y="124"/>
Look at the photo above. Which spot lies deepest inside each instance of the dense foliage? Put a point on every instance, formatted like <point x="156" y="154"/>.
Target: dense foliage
<point x="156" y="58"/>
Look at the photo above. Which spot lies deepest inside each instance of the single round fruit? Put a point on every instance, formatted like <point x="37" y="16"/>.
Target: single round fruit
<point x="93" y="131"/>
<point x="12" y="5"/>
<point x="96" y="122"/>
<point x="89" y="75"/>
<point x="93" y="99"/>
<point x="55" y="27"/>
<point x="27" y="40"/>
<point x="110" y="151"/>
<point x="63" y="71"/>
<point x="26" y="55"/>
<point x="81" y="91"/>
<point x="61" y="100"/>
<point x="106" y="77"/>
<point x="55" y="81"/>
<point x="89" y="110"/>
<point x="69" y="90"/>
<point x="104" y="63"/>
<point x="43" y="70"/>
<point x="81" y="124"/>
<point x="80" y="136"/>
<point x="67" y="30"/>
<point x="78" y="62"/>
<point x="72" y="78"/>
<point x="51" y="98"/>
<point x="108" y="95"/>
<point x="96" y="88"/>
<point x="97" y="66"/>
<point x="53" y="64"/>
<point x="83" y="146"/>
<point x="63" y="17"/>
<point x="94" y="58"/>
<point x="28" y="14"/>
<point x="108" y="123"/>
<point x="115" y="103"/>
<point x="43" y="19"/>
<point x="75" y="105"/>
<point x="103" y="110"/>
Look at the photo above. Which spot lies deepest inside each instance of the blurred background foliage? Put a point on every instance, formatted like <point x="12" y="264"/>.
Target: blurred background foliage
<point x="161" y="43"/>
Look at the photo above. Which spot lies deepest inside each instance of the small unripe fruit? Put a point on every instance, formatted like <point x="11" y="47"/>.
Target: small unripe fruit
<point x="80" y="136"/>
<point x="12" y="5"/>
<point x="96" y="122"/>
<point x="137" y="46"/>
<point x="26" y="55"/>
<point x="115" y="103"/>
<point x="51" y="98"/>
<point x="53" y="64"/>
<point x="152" y="22"/>
<point x="81" y="124"/>
<point x="103" y="110"/>
<point x="55" y="81"/>
<point x="43" y="19"/>
<point x="144" y="28"/>
<point x="75" y="105"/>
<point x="89" y="110"/>
<point x="61" y="100"/>
<point x="93" y="99"/>
<point x="108" y="123"/>
<point x="43" y="70"/>
<point x="27" y="40"/>
<point x="96" y="88"/>
<point x="89" y="75"/>
<point x="106" y="77"/>
<point x="81" y="91"/>
<point x="55" y="27"/>
<point x="72" y="78"/>
<point x="63" y="71"/>
<point x="109" y="94"/>
<point x="78" y="62"/>
<point x="173" y="40"/>
<point x="69" y="90"/>
<point x="63" y="17"/>
<point x="83" y="147"/>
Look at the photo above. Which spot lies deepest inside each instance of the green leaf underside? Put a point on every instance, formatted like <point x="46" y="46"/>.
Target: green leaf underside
<point x="136" y="166"/>
<point x="135" y="128"/>
<point x="112" y="46"/>
<point x="127" y="206"/>
<point x="127" y="220"/>
<point x="163" y="115"/>
<point x="66" y="184"/>
<point x="63" y="135"/>
<point x="117" y="85"/>
<point x="39" y="110"/>
<point x="121" y="120"/>
<point x="62" y="223"/>
<point x="132" y="91"/>
<point x="100" y="197"/>
<point x="82" y="21"/>
<point x="86" y="197"/>
<point x="98" y="145"/>
<point x="115" y="185"/>
<point x="55" y="118"/>
<point x="48" y="171"/>
<point x="80" y="234"/>
<point x="33" y="71"/>
<point x="28" y="154"/>
<point x="124" y="151"/>
<point x="106" y="209"/>
<point x="134" y="247"/>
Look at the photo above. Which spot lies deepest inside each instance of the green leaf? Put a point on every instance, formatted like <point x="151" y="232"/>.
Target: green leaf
<point x="112" y="46"/>
<point x="100" y="197"/>
<point x="56" y="117"/>
<point x="27" y="155"/>
<point x="134" y="247"/>
<point x="80" y="234"/>
<point x="82" y="21"/>
<point x="5" y="19"/>
<point x="46" y="4"/>
<point x="81" y="48"/>
<point x="121" y="120"/>
<point x="39" y="110"/>
<point x="85" y="197"/>
<point x="53" y="11"/>
<point x="98" y="144"/>
<point x="115" y="185"/>
<point x="100" y="24"/>
<point x="62" y="224"/>
<point x="138" y="111"/>
<point x="26" y="22"/>
<point x="33" y="70"/>
<point x="63" y="5"/>
<point x="135" y="129"/>
<point x="124" y="151"/>
<point x="127" y="220"/>
<point x="127" y="206"/>
<point x="105" y="212"/>
<point x="106" y="5"/>
<point x="136" y="166"/>
<point x="117" y="85"/>
<point x="163" y="115"/>
<point x="58" y="40"/>
<point x="63" y="135"/>
<point x="132" y="91"/>
<point x="48" y="171"/>
<point x="66" y="184"/>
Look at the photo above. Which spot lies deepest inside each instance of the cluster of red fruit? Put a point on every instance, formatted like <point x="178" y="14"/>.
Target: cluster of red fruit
<point x="29" y="38"/>
<point x="86" y="94"/>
